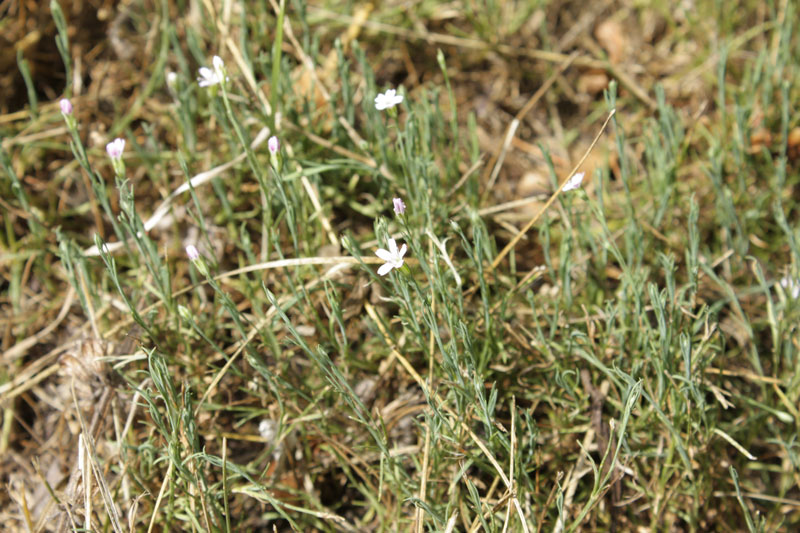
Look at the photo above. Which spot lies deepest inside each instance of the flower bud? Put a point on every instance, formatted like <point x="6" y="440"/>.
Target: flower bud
<point x="274" y="145"/>
<point x="192" y="252"/>
<point x="66" y="106"/>
<point x="399" y="206"/>
<point x="115" y="148"/>
<point x="196" y="259"/>
<point x="185" y="313"/>
<point x="172" y="79"/>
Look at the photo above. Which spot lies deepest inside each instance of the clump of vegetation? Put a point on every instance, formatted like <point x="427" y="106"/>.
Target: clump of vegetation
<point x="511" y="266"/>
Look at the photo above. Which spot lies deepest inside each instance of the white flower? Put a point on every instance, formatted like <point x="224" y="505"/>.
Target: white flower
<point x="392" y="256"/>
<point x="574" y="182"/>
<point x="791" y="286"/>
<point x="209" y="77"/>
<point x="115" y="148"/>
<point x="268" y="429"/>
<point x="388" y="99"/>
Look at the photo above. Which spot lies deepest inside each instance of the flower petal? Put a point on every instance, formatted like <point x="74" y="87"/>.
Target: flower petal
<point x="386" y="255"/>
<point x="385" y="269"/>
<point x="402" y="252"/>
<point x="574" y="182"/>
<point x="393" y="247"/>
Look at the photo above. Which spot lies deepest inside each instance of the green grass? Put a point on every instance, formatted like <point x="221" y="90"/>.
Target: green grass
<point x="629" y="363"/>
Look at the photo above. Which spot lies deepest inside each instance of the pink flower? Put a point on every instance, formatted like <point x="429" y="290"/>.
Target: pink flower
<point x="392" y="256"/>
<point x="274" y="145"/>
<point x="115" y="148"/>
<point x="66" y="106"/>
<point x="399" y="206"/>
<point x="192" y="253"/>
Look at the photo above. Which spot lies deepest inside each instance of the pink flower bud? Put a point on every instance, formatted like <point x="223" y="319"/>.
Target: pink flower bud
<point x="274" y="145"/>
<point x="192" y="252"/>
<point x="66" y="106"/>
<point x="115" y="148"/>
<point x="574" y="182"/>
<point x="399" y="206"/>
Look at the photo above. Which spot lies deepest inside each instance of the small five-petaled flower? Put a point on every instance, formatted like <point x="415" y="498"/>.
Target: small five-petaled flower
<point x="387" y="100"/>
<point x="392" y="256"/>
<point x="209" y="77"/>
<point x="574" y="182"/>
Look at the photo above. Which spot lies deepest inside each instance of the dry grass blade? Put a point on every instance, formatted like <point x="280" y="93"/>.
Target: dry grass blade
<point x="497" y="160"/>
<point x="338" y="266"/>
<point x="91" y="451"/>
<point x="441" y="405"/>
<point x="160" y="497"/>
<point x="552" y="199"/>
<point x="19" y="349"/>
